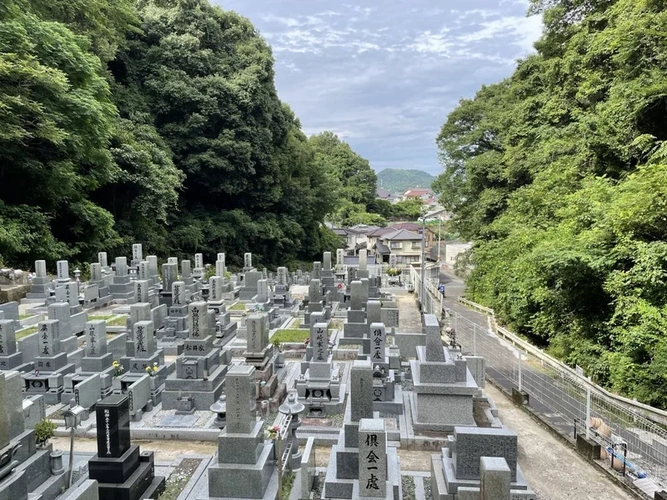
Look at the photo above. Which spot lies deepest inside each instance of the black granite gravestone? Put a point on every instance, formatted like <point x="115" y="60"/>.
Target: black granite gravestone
<point x="113" y="426"/>
<point x="122" y="471"/>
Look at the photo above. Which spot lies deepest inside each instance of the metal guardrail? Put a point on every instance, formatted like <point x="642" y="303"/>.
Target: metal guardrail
<point x="568" y="399"/>
<point x="654" y="414"/>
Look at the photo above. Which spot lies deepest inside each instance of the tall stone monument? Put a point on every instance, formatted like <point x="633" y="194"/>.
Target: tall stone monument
<point x="245" y="466"/>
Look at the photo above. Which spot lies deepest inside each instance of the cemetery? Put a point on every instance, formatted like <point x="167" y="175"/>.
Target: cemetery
<point x="176" y="352"/>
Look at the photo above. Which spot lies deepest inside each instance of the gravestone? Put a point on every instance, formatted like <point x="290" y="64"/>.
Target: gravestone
<point x="103" y="260"/>
<point x="247" y="262"/>
<point x="122" y="471"/>
<point x="319" y="388"/>
<point x="443" y="384"/>
<point x="51" y="365"/>
<point x="356" y="324"/>
<point x="480" y="463"/>
<point x="198" y="380"/>
<point x="153" y="270"/>
<point x="62" y="271"/>
<point x="169" y="276"/>
<point x="249" y="289"/>
<point x="98" y="279"/>
<point x="198" y="271"/>
<point x="245" y="466"/>
<point x="121" y="288"/>
<point x="350" y="473"/>
<point x="23" y="468"/>
<point x="97" y="361"/>
<point x="372" y="458"/>
<point x="40" y="286"/>
<point x="340" y="258"/>
<point x="10" y="358"/>
<point x="137" y="254"/>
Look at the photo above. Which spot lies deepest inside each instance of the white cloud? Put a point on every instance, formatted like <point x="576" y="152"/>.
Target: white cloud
<point x="525" y="30"/>
<point x="384" y="75"/>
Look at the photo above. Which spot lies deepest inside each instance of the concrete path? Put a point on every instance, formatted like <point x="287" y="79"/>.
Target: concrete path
<point x="554" y="470"/>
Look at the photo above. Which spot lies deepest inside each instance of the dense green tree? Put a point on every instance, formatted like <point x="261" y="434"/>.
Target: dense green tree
<point x="357" y="178"/>
<point x="558" y="175"/>
<point x="57" y="117"/>
<point x="206" y="77"/>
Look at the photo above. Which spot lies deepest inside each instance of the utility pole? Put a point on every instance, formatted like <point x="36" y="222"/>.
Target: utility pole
<point x="423" y="287"/>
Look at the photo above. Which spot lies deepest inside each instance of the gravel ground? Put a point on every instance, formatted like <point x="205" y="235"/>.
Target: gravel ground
<point x="409" y="319"/>
<point x="165" y="451"/>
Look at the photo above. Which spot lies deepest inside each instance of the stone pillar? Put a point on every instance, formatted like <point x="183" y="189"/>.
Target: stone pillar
<point x="372" y="458"/>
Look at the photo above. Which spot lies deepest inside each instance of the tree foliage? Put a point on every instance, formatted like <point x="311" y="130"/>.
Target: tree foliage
<point x="558" y="174"/>
<point x="154" y="121"/>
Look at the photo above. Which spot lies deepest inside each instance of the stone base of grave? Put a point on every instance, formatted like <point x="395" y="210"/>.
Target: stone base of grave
<point x="171" y="346"/>
<point x="226" y="331"/>
<point x="386" y="404"/>
<point x="123" y="294"/>
<point x="445" y="486"/>
<point x="247" y="294"/>
<point x="204" y="392"/>
<point x="355" y="330"/>
<point x="443" y="397"/>
<point x="321" y="396"/>
<point x="138" y="479"/>
<point x="245" y="467"/>
<point x="51" y="384"/>
<point x="11" y="361"/>
<point x="14" y="487"/>
<point x="32" y="467"/>
<point x="441" y="412"/>
<point x="101" y="364"/>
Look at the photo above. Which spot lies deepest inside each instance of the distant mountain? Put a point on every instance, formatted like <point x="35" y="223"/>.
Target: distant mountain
<point x="396" y="180"/>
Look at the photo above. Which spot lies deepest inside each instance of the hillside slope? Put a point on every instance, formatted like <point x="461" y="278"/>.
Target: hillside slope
<point x="398" y="180"/>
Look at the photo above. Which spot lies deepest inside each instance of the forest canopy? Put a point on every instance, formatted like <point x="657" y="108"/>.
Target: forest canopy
<point x="558" y="175"/>
<point x="158" y="122"/>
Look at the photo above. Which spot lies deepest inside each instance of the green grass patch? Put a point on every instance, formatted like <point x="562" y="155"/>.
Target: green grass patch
<point x="291" y="335"/>
<point x="101" y="317"/>
<point x="24" y="333"/>
<point x="239" y="306"/>
<point x="117" y="321"/>
<point x="25" y="316"/>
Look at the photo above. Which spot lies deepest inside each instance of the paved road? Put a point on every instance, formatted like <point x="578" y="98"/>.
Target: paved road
<point x="552" y="398"/>
<point x="554" y="471"/>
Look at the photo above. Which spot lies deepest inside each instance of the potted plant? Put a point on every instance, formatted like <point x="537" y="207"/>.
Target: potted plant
<point x="44" y="430"/>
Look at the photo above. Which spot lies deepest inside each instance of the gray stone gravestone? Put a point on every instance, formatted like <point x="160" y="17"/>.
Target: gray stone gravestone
<point x="372" y="458"/>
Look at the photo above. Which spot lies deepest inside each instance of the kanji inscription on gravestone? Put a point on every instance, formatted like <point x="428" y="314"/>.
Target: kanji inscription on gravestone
<point x="95" y="338"/>
<point x="7" y="337"/>
<point x="372" y="458"/>
<point x="378" y="341"/>
<point x="319" y="341"/>
<point x="49" y="344"/>
<point x="194" y="321"/>
<point x="143" y="339"/>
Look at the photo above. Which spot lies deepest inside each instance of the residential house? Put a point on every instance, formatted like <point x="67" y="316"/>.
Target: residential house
<point x="423" y="194"/>
<point x="406" y="245"/>
<point x="383" y="194"/>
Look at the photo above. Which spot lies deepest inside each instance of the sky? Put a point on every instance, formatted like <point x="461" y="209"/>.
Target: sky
<point x="384" y="74"/>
